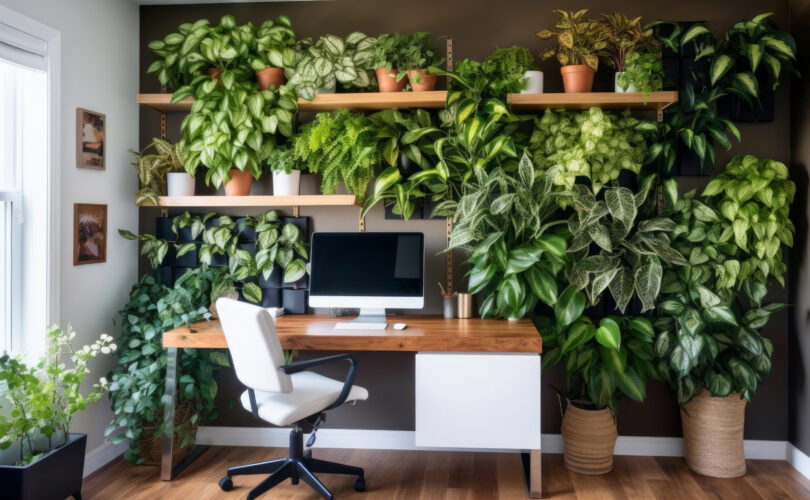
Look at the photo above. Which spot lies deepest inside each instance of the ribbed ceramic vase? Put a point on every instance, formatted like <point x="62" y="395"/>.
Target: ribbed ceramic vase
<point x="713" y="435"/>
<point x="589" y="437"/>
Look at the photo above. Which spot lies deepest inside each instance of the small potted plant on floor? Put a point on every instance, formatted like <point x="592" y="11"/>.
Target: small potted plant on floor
<point x="162" y="164"/>
<point x="390" y="52"/>
<point x="581" y="42"/>
<point x="419" y="55"/>
<point x="41" y="458"/>
<point x="286" y="179"/>
<point x="272" y="51"/>
<point x="633" y="53"/>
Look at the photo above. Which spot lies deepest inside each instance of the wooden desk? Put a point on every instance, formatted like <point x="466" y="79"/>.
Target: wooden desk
<point x="485" y="371"/>
<point x="424" y="333"/>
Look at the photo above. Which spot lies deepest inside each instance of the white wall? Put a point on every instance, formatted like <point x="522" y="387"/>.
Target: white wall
<point x="99" y="72"/>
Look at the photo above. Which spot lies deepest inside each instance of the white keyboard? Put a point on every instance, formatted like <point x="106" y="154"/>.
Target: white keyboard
<point x="353" y="325"/>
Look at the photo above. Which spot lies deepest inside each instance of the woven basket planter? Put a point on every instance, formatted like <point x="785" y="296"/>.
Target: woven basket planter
<point x="713" y="435"/>
<point x="151" y="446"/>
<point x="589" y="437"/>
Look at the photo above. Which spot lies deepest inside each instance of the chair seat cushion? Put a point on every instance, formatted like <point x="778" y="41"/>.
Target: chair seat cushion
<point x="311" y="393"/>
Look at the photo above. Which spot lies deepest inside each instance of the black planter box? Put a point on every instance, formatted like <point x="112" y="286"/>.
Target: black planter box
<point x="694" y="73"/>
<point x="294" y="301"/>
<point x="163" y="229"/>
<point x="56" y="475"/>
<point x="244" y="232"/>
<point x="188" y="259"/>
<point x="178" y="272"/>
<point x="248" y="247"/>
<point x="672" y="72"/>
<point x="302" y="223"/>
<point x="406" y="167"/>
<point x="219" y="260"/>
<point x="690" y="164"/>
<point x="273" y="281"/>
<point x="302" y="283"/>
<point x="736" y="109"/>
<point x="164" y="276"/>
<point x="271" y="297"/>
<point x="427" y="210"/>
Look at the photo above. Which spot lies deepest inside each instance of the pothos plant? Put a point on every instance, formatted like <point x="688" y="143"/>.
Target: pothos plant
<point x="579" y="40"/>
<point x="418" y="54"/>
<point x="754" y="195"/>
<point x="616" y="248"/>
<point x="280" y="244"/>
<point x="593" y="144"/>
<point x="643" y="70"/>
<point x="391" y="51"/>
<point x="38" y="401"/>
<point x="227" y="47"/>
<point x="602" y="364"/>
<point x="517" y="248"/>
<point x="137" y="383"/>
<point x="181" y="58"/>
<point x="498" y="75"/>
<point x="274" y="45"/>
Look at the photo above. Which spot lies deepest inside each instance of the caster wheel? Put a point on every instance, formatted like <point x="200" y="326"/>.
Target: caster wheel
<point x="226" y="483"/>
<point x="360" y="484"/>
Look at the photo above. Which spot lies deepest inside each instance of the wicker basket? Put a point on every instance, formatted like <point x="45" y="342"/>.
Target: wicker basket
<point x="151" y="446"/>
<point x="713" y="435"/>
<point x="589" y="437"/>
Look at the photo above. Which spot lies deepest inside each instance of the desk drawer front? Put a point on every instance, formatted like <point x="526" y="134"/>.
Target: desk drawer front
<point x="478" y="400"/>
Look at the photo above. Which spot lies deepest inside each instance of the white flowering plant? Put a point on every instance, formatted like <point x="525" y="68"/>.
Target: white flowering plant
<point x="39" y="401"/>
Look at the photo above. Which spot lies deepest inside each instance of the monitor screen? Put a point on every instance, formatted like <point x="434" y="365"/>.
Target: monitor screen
<point x="367" y="265"/>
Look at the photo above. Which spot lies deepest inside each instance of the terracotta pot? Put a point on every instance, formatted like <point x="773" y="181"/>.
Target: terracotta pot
<point x="215" y="73"/>
<point x="426" y="82"/>
<point x="577" y="78"/>
<point x="387" y="80"/>
<point x="713" y="435"/>
<point x="270" y="76"/>
<point x="588" y="440"/>
<point x="240" y="183"/>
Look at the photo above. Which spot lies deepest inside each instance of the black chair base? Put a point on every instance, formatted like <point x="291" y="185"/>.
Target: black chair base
<point x="297" y="467"/>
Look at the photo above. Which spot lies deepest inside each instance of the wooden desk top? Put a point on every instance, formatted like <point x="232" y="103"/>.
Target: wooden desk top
<point x="424" y="333"/>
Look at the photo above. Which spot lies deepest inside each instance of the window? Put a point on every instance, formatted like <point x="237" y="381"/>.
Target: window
<point x="27" y="195"/>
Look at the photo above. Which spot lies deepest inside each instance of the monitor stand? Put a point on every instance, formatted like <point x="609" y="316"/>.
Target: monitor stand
<point x="369" y="319"/>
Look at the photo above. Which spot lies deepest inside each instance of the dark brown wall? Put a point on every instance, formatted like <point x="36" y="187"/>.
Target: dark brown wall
<point x="477" y="27"/>
<point x="799" y="334"/>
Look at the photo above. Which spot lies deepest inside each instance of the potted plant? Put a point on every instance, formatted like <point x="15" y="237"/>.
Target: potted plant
<point x="748" y="64"/>
<point x="163" y="167"/>
<point x="581" y="42"/>
<point x="602" y="365"/>
<point x="278" y="245"/>
<point x="709" y="337"/>
<point x="41" y="457"/>
<point x="181" y="60"/>
<point x="272" y="52"/>
<point x="342" y="146"/>
<point x="321" y="65"/>
<point x="137" y="382"/>
<point x="627" y="40"/>
<point x="516" y="253"/>
<point x="390" y="52"/>
<point x="286" y="179"/>
<point x="419" y="54"/>
<point x="226" y="49"/>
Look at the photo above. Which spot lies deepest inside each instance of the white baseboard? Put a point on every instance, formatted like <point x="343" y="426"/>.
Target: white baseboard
<point x="798" y="460"/>
<point x="405" y="440"/>
<point x="104" y="454"/>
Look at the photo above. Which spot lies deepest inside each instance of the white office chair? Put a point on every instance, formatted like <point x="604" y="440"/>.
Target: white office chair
<point x="284" y="395"/>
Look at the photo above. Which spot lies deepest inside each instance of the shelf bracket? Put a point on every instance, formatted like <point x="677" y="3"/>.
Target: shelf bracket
<point x="449" y="257"/>
<point x="295" y="211"/>
<point x="362" y="224"/>
<point x="449" y="59"/>
<point x="163" y="118"/>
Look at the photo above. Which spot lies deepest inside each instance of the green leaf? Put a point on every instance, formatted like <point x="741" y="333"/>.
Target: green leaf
<point x="252" y="292"/>
<point x="631" y="384"/>
<point x="720" y="66"/>
<point x="693" y="32"/>
<point x="622" y="206"/>
<point x="541" y="283"/>
<point x="294" y="271"/>
<point x="648" y="283"/>
<point x="579" y="333"/>
<point x="601" y="386"/>
<point x="570" y="306"/>
<point x="613" y="359"/>
<point x="719" y="385"/>
<point x="641" y="326"/>
<point x="621" y="288"/>
<point x="608" y="334"/>
<point x="480" y="277"/>
<point x="219" y="358"/>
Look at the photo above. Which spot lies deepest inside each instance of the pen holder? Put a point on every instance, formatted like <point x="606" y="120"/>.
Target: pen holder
<point x="465" y="305"/>
<point x="449" y="307"/>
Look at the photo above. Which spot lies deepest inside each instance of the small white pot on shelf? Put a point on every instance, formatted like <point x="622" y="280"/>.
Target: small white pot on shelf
<point x="179" y="184"/>
<point x="285" y="184"/>
<point x="534" y="83"/>
<point x="620" y="90"/>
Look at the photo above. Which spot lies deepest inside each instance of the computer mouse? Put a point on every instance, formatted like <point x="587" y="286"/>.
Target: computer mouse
<point x="400" y="326"/>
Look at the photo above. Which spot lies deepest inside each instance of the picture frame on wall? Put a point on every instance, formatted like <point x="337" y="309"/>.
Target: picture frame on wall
<point x="91" y="143"/>
<point x="89" y="233"/>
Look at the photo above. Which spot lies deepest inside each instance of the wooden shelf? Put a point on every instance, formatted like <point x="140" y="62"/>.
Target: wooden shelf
<point x="656" y="101"/>
<point x="317" y="200"/>
<point x="367" y="101"/>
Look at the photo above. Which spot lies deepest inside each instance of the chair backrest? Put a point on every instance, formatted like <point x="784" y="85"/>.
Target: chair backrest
<point x="253" y="342"/>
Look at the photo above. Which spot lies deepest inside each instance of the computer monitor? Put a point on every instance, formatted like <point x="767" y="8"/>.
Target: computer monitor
<point x="370" y="271"/>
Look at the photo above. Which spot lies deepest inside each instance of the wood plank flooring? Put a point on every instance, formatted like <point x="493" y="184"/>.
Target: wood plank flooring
<point x="437" y="475"/>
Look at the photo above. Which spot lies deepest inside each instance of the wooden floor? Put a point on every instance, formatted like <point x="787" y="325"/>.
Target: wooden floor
<point x="429" y="475"/>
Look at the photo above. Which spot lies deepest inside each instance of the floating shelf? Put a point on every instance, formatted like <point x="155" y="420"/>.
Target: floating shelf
<point x="656" y="101"/>
<point x="316" y="200"/>
<point x="370" y="101"/>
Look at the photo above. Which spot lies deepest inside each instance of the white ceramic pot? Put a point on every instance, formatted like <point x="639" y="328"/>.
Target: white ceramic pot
<point x="534" y="85"/>
<point x="286" y="184"/>
<point x="620" y="90"/>
<point x="179" y="184"/>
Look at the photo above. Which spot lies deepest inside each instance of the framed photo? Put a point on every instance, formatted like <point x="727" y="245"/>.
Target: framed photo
<point x="91" y="141"/>
<point x="89" y="234"/>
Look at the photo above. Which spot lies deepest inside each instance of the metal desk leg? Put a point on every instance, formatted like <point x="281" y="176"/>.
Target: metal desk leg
<point x="167" y="472"/>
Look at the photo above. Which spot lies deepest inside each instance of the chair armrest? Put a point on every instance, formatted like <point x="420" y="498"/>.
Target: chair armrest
<point x="300" y="366"/>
